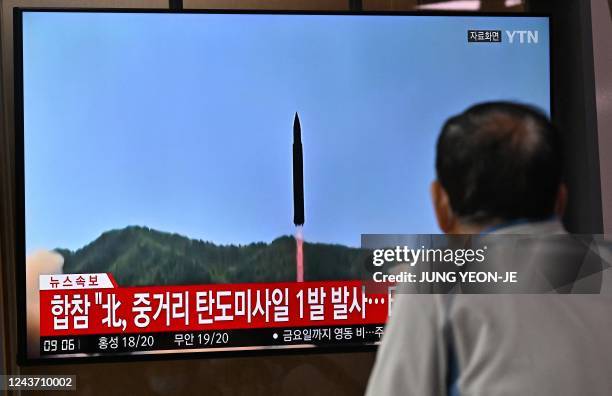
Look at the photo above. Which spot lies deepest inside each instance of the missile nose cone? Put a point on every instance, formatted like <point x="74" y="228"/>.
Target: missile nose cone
<point x="297" y="129"/>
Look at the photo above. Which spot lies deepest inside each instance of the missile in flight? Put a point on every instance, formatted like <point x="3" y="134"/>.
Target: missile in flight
<point x="298" y="173"/>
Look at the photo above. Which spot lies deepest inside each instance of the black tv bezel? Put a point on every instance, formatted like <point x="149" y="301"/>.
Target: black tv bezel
<point x="19" y="227"/>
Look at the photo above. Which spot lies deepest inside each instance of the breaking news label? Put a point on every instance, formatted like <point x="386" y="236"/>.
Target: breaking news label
<point x="90" y="314"/>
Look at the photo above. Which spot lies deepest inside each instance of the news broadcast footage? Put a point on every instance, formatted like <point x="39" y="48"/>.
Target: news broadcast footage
<point x="200" y="182"/>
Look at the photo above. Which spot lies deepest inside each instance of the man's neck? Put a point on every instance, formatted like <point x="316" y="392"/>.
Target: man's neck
<point x="493" y="226"/>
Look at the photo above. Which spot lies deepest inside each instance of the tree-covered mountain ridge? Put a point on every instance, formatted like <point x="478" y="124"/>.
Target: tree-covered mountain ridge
<point x="138" y="256"/>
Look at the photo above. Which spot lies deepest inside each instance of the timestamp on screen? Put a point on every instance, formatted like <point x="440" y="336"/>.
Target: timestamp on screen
<point x="64" y="345"/>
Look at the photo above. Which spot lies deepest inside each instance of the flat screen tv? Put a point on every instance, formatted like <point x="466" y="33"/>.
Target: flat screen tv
<point x="198" y="182"/>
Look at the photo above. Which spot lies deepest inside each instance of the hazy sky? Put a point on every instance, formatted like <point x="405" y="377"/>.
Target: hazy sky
<point x="183" y="123"/>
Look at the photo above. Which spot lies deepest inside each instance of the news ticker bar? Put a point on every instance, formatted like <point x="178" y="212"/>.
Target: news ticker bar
<point x="184" y="308"/>
<point x="217" y="339"/>
<point x="38" y="382"/>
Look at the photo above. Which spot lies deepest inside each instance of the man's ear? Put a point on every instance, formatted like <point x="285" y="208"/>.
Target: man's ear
<point x="441" y="203"/>
<point x="561" y="201"/>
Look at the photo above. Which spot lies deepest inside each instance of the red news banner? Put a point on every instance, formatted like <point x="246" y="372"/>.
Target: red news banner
<point x="93" y="304"/>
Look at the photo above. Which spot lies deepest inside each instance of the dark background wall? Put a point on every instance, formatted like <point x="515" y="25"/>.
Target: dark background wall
<point x="574" y="109"/>
<point x="601" y="11"/>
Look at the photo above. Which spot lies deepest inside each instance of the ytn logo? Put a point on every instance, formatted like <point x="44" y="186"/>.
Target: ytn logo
<point x="523" y="36"/>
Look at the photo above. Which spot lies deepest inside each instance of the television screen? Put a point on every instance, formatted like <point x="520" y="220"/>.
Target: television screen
<point x="199" y="182"/>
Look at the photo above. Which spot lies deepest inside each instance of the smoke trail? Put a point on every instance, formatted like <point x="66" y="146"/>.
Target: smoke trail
<point x="299" y="253"/>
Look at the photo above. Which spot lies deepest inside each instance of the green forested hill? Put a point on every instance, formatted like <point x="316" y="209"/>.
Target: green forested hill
<point x="142" y="256"/>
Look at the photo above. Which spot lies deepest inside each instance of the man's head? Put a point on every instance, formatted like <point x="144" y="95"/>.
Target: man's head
<point x="497" y="162"/>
